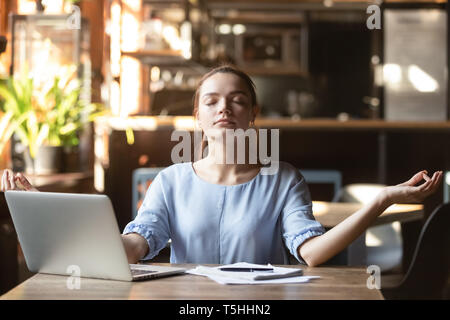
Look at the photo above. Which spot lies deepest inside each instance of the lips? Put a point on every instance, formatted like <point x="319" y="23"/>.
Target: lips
<point x="224" y="120"/>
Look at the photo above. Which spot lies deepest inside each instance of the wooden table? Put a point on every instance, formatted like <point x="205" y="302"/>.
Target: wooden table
<point x="329" y="214"/>
<point x="336" y="283"/>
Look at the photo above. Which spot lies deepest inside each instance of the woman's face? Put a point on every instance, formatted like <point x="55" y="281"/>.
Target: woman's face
<point x="225" y="103"/>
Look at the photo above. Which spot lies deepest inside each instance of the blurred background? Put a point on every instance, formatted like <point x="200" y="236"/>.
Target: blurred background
<point x="91" y="90"/>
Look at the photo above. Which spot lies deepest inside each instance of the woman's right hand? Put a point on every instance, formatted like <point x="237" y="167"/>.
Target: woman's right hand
<point x="136" y="247"/>
<point x="18" y="181"/>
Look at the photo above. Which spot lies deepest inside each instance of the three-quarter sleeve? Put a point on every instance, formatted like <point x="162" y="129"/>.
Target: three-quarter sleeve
<point x="298" y="223"/>
<point x="152" y="220"/>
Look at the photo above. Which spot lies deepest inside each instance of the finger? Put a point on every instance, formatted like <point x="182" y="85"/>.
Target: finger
<point x="429" y="189"/>
<point x="24" y="181"/>
<point x="18" y="183"/>
<point x="435" y="177"/>
<point x="416" y="178"/>
<point x="437" y="181"/>
<point x="424" y="186"/>
<point x="4" y="175"/>
<point x="11" y="181"/>
<point x="441" y="175"/>
<point x="5" y="180"/>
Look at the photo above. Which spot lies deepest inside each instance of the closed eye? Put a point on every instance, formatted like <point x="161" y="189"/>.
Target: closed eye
<point x="210" y="102"/>
<point x="239" y="98"/>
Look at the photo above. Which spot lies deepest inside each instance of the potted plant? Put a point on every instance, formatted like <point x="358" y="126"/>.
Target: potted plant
<point x="18" y="108"/>
<point x="48" y="119"/>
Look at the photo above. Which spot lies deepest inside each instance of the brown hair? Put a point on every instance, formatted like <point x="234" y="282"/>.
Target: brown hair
<point x="223" y="69"/>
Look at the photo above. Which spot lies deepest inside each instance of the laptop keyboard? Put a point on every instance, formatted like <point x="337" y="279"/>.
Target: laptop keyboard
<point x="136" y="272"/>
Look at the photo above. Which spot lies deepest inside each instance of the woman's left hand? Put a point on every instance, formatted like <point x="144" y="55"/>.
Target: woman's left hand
<point x="410" y="192"/>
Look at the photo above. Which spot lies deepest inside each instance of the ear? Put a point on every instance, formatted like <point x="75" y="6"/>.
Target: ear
<point x="197" y="120"/>
<point x="255" y="111"/>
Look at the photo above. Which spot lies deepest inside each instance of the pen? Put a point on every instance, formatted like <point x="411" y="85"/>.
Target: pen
<point x="245" y="269"/>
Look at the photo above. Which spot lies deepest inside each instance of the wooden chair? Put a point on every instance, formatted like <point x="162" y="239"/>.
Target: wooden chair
<point x="324" y="176"/>
<point x="428" y="273"/>
<point x="142" y="179"/>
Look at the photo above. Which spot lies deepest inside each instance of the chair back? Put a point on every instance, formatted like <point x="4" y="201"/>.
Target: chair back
<point x="447" y="186"/>
<point x="428" y="273"/>
<point x="324" y="176"/>
<point x="142" y="179"/>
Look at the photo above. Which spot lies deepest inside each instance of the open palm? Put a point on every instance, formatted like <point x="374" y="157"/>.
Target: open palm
<point x="411" y="192"/>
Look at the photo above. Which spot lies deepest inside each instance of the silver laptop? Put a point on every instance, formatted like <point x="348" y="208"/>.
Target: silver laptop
<point x="63" y="233"/>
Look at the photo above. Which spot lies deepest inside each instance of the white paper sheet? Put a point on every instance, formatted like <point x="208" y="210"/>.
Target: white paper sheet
<point x="283" y="275"/>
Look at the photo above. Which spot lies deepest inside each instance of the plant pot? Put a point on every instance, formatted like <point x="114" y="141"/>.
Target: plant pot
<point x="71" y="159"/>
<point x="48" y="160"/>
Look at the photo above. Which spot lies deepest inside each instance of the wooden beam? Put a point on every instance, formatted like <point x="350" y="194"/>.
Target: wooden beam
<point x="93" y="11"/>
<point x="3" y="17"/>
<point x="131" y="69"/>
<point x="6" y="6"/>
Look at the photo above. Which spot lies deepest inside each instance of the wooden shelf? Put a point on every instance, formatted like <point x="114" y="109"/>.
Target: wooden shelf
<point x="66" y="179"/>
<point x="353" y="124"/>
<point x="275" y="71"/>
<point x="156" y="53"/>
<point x="187" y="122"/>
<point x="157" y="57"/>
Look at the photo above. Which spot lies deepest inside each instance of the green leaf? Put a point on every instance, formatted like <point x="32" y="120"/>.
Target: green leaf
<point x="68" y="128"/>
<point x="130" y="135"/>
<point x="10" y="101"/>
<point x="43" y="134"/>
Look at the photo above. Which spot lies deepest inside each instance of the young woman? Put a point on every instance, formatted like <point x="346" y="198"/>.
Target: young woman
<point x="221" y="213"/>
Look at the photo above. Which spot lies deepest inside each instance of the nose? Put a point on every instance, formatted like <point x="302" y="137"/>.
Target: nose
<point x="224" y="106"/>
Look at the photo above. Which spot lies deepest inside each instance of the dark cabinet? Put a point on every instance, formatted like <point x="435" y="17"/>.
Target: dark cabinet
<point x="8" y="249"/>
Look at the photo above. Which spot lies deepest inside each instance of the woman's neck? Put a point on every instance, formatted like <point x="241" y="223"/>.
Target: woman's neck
<point x="223" y="157"/>
<point x="225" y="174"/>
<point x="215" y="169"/>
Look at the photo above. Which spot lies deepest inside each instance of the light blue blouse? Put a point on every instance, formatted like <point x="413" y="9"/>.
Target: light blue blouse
<point x="209" y="223"/>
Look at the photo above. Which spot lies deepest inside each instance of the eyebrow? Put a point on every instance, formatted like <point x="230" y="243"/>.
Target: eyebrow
<point x="232" y="92"/>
